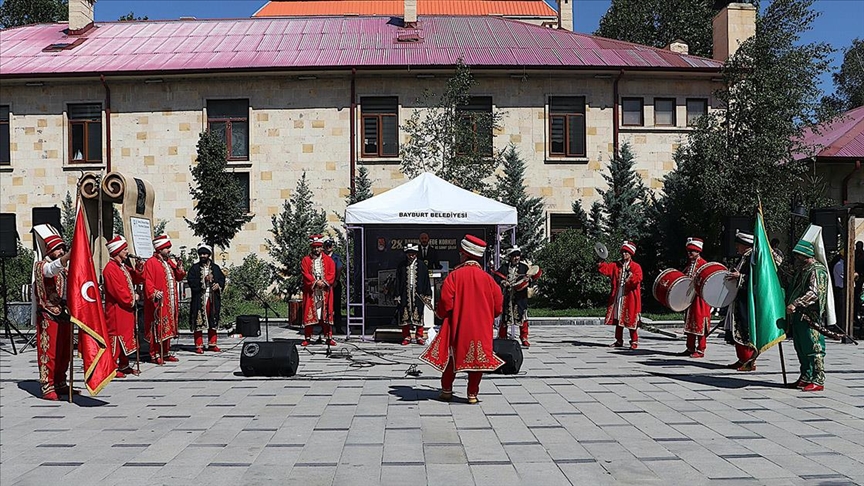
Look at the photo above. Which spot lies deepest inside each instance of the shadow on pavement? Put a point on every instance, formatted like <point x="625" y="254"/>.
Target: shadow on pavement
<point x="719" y="381"/>
<point x="33" y="388"/>
<point x="411" y="394"/>
<point x="646" y="352"/>
<point x="586" y="344"/>
<point x="684" y="362"/>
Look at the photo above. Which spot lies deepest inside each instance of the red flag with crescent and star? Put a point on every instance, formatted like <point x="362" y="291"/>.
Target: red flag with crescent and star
<point x="85" y="307"/>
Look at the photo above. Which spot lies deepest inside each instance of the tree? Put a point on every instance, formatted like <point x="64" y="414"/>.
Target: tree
<point x="67" y="218"/>
<point x="849" y="80"/>
<point x="117" y="221"/>
<point x="14" y="13"/>
<point x="659" y="22"/>
<point x="570" y="276"/>
<point x="291" y="230"/>
<point x="510" y="189"/>
<point x="219" y="215"/>
<point x="362" y="187"/>
<point x="131" y="17"/>
<point x="744" y="153"/>
<point x="19" y="272"/>
<point x="450" y="137"/>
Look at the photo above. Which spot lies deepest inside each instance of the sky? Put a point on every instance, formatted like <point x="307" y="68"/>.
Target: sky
<point x="840" y="20"/>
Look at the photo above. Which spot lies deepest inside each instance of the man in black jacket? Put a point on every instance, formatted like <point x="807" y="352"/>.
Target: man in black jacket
<point x="412" y="288"/>
<point x="206" y="282"/>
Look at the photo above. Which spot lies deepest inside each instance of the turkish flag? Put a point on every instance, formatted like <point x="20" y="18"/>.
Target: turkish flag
<point x="85" y="307"/>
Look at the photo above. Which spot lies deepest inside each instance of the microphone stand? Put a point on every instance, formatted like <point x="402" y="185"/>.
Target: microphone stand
<point x="267" y="309"/>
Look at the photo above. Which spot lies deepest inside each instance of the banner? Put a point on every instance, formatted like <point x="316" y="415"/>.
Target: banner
<point x="766" y="302"/>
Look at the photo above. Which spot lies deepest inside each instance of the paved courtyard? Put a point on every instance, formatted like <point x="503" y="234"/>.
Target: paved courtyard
<point x="579" y="413"/>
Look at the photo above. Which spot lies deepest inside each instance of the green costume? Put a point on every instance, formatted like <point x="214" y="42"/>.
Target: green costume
<point x="809" y="295"/>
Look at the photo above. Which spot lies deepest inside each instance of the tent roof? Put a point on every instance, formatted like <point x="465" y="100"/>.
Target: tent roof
<point x="428" y="199"/>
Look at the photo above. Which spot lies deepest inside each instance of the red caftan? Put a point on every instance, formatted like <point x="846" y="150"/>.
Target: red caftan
<point x="163" y="276"/>
<point x="53" y="332"/>
<point x="697" y="317"/>
<point x="321" y="268"/>
<point x="469" y="302"/>
<point x="625" y="306"/>
<point x="119" y="305"/>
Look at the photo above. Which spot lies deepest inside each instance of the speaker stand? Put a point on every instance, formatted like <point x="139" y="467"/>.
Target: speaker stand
<point x="7" y="325"/>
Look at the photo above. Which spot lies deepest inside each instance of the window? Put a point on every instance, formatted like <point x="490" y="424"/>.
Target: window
<point x="567" y="126"/>
<point x="477" y="119"/>
<point x="5" y="149"/>
<point x="664" y="112"/>
<point x="229" y="119"/>
<point x="696" y="107"/>
<point x="633" y="116"/>
<point x="85" y="133"/>
<point x="561" y="222"/>
<point x="380" y="116"/>
<point x="242" y="180"/>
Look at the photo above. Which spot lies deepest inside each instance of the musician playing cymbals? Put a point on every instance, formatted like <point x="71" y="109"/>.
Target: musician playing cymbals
<point x="413" y="291"/>
<point x="625" y="301"/>
<point x="206" y="281"/>
<point x="807" y="305"/>
<point x="514" y="276"/>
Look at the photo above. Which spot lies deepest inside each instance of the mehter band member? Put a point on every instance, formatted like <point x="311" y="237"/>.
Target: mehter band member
<point x="53" y="327"/>
<point x="413" y="288"/>
<point x="515" y="276"/>
<point x="206" y="282"/>
<point x="625" y="301"/>
<point x="808" y="308"/>
<point x="319" y="273"/>
<point x="737" y="320"/>
<point x="121" y="277"/>
<point x="697" y="317"/>
<point x="162" y="272"/>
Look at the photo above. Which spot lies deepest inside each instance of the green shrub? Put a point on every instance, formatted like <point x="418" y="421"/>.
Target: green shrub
<point x="19" y="272"/>
<point x="570" y="277"/>
<point x="253" y="277"/>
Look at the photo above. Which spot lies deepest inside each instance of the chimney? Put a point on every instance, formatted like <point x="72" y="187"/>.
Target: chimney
<point x="678" y="46"/>
<point x="80" y="16"/>
<point x="733" y="25"/>
<point x="565" y="15"/>
<point x="410" y="18"/>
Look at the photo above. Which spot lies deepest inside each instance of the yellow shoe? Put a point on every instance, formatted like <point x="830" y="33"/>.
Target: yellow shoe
<point x="445" y="395"/>
<point x="472" y="400"/>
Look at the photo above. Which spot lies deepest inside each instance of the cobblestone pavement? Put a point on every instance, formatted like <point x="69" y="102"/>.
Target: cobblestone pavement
<point x="579" y="413"/>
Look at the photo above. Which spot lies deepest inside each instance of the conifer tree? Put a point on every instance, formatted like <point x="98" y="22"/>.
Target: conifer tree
<point x="510" y="189"/>
<point x="67" y="219"/>
<point x="291" y="229"/>
<point x="219" y="213"/>
<point x="626" y="200"/>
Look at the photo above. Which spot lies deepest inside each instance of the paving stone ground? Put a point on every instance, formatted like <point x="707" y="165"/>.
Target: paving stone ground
<point x="579" y="413"/>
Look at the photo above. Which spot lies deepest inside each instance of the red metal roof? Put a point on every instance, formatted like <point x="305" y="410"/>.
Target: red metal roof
<point x="306" y="8"/>
<point x="842" y="138"/>
<point x="320" y="43"/>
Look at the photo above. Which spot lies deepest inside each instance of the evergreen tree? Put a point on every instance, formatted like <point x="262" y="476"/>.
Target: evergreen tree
<point x="131" y="17"/>
<point x="291" y="229"/>
<point x="510" y="189"/>
<point x="362" y="186"/>
<point x="849" y="80"/>
<point x="597" y="227"/>
<point x="449" y="141"/>
<point x="160" y="228"/>
<point x="14" y="13"/>
<point x="118" y="222"/>
<point x="219" y="214"/>
<point x="67" y="219"/>
<point x="626" y="200"/>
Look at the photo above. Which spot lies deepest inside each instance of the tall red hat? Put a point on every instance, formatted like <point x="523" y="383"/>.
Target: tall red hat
<point x="629" y="247"/>
<point x="116" y="245"/>
<point x="161" y="241"/>
<point x="52" y="242"/>
<point x="473" y="246"/>
<point x="316" y="240"/>
<point x="695" y="244"/>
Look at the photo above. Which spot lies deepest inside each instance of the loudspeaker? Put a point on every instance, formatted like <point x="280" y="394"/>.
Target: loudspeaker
<point x="48" y="216"/>
<point x="833" y="229"/>
<point x="8" y="236"/>
<point x="248" y="326"/>
<point x="276" y="358"/>
<point x="731" y="225"/>
<point x="511" y="352"/>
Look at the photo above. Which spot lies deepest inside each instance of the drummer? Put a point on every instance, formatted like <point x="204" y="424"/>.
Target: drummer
<point x="697" y="317"/>
<point x="514" y="276"/>
<point x="625" y="301"/>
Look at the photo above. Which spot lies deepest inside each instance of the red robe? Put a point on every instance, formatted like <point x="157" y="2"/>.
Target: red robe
<point x="631" y="299"/>
<point x="469" y="302"/>
<point x="310" y="316"/>
<point x="697" y="317"/>
<point x="163" y="276"/>
<point x="119" y="304"/>
<point x="53" y="329"/>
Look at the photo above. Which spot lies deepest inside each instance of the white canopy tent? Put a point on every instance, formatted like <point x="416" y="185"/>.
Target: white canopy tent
<point x="426" y="200"/>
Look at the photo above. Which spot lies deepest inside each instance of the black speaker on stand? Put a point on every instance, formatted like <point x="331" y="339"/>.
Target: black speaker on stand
<point x="8" y="249"/>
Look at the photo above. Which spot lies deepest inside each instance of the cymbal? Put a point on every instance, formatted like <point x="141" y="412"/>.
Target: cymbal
<point x="601" y="251"/>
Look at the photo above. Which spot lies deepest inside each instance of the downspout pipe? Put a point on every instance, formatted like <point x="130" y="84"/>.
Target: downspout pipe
<point x="353" y="129"/>
<point x="847" y="179"/>
<point x="107" y="123"/>
<point x="615" y="111"/>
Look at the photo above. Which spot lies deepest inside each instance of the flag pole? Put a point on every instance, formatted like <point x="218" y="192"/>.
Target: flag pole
<point x="782" y="363"/>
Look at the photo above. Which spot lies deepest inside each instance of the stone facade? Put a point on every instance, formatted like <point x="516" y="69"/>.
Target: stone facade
<point x="304" y="125"/>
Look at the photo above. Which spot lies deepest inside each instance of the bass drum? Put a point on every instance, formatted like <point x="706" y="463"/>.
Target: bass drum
<point x="712" y="285"/>
<point x="674" y="290"/>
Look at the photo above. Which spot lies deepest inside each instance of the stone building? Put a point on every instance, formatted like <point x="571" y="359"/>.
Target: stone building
<point x="322" y="95"/>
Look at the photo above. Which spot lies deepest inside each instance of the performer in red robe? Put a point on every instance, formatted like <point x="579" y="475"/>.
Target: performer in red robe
<point x="53" y="328"/>
<point x="697" y="317"/>
<point x="162" y="303"/>
<point x="469" y="302"/>
<point x="319" y="275"/>
<point x="625" y="301"/>
<point x="120" y="298"/>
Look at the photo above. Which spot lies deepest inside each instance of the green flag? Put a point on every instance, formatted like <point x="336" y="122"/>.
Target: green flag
<point x="765" y="299"/>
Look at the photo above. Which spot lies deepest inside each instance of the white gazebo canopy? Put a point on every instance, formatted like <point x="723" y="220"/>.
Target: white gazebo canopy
<point x="428" y="199"/>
